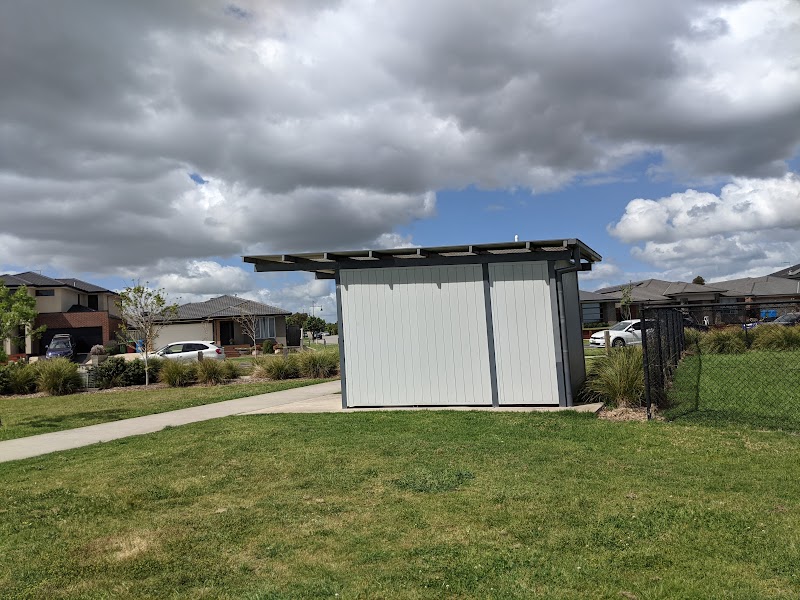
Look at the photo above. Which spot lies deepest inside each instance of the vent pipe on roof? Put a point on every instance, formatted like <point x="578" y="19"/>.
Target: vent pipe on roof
<point x="516" y="238"/>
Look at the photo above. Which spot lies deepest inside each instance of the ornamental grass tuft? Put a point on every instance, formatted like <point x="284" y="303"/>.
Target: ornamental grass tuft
<point x="617" y="379"/>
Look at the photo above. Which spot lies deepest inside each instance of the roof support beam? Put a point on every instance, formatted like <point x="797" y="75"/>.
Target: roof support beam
<point x="265" y="266"/>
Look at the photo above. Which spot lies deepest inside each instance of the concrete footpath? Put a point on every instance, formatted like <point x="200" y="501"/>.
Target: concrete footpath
<point x="320" y="398"/>
<point x="326" y="395"/>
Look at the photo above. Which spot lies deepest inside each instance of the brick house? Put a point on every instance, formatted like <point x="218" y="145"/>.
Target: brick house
<point x="86" y="311"/>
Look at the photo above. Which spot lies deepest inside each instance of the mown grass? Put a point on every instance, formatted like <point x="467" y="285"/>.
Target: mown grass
<point x="408" y="505"/>
<point x="24" y="416"/>
<point x="756" y="389"/>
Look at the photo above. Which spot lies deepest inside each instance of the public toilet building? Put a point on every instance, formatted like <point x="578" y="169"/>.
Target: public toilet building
<point x="476" y="325"/>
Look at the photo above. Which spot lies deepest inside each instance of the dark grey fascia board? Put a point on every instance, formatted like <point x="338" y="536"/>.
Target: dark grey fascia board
<point x="266" y="266"/>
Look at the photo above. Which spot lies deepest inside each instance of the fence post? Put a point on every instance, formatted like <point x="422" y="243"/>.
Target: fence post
<point x="646" y="365"/>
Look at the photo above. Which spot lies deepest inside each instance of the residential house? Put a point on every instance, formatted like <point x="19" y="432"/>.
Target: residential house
<point x="605" y="304"/>
<point x="86" y="311"/>
<point x="216" y="320"/>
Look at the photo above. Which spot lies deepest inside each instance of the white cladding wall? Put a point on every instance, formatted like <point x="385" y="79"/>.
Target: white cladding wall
<point x="415" y="336"/>
<point x="524" y="333"/>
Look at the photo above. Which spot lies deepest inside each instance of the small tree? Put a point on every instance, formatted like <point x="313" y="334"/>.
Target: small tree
<point x="332" y="328"/>
<point x="699" y="280"/>
<point x="248" y="322"/>
<point x="315" y="324"/>
<point x="17" y="310"/>
<point x="625" y="302"/>
<point x="144" y="312"/>
<point x="297" y="320"/>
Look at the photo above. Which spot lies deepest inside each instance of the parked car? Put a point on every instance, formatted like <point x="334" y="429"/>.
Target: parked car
<point x="317" y="335"/>
<point x="624" y="333"/>
<point x="787" y="320"/>
<point x="61" y="346"/>
<point x="188" y="351"/>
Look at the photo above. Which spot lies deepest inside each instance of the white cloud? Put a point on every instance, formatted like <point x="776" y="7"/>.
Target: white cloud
<point x="752" y="226"/>
<point x="332" y="126"/>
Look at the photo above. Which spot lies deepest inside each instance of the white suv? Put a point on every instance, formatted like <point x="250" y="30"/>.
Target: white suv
<point x="189" y="351"/>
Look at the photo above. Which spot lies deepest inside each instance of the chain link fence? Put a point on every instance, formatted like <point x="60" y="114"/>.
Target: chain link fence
<point x="725" y="363"/>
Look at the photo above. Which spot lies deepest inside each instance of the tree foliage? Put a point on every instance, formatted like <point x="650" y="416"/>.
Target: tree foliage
<point x="315" y="324"/>
<point x="144" y="312"/>
<point x="297" y="320"/>
<point x="17" y="311"/>
<point x="699" y="280"/>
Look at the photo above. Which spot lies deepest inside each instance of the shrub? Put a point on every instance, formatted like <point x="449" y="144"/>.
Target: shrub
<point x="277" y="367"/>
<point x="21" y="378"/>
<point x="318" y="365"/>
<point x="110" y="373"/>
<point x="178" y="373"/>
<point x="58" y="377"/>
<point x="98" y="350"/>
<point x="231" y="369"/>
<point x="730" y="340"/>
<point x="776" y="337"/>
<point x="268" y="347"/>
<point x="5" y="382"/>
<point x="3" y="357"/>
<point x="113" y="348"/>
<point x="692" y="338"/>
<point x="617" y="379"/>
<point x="210" y="372"/>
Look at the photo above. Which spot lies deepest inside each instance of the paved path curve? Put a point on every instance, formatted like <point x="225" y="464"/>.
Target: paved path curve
<point x="45" y="443"/>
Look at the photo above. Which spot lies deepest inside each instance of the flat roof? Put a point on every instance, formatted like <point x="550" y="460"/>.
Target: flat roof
<point x="325" y="264"/>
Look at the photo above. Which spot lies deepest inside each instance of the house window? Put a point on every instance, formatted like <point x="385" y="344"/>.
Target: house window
<point x="93" y="301"/>
<point x="265" y="328"/>
<point x="591" y="312"/>
<point x="45" y="292"/>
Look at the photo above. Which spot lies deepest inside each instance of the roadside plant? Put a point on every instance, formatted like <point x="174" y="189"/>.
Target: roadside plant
<point x="231" y="369"/>
<point x="692" y="337"/>
<point x="21" y="377"/>
<point x="319" y="364"/>
<point x="178" y="373"/>
<point x="3" y="357"/>
<point x="98" y="350"/>
<point x="617" y="379"/>
<point x="58" y="377"/>
<point x="268" y="347"/>
<point x="277" y="367"/>
<point x="5" y="383"/>
<point x="110" y="373"/>
<point x="776" y="337"/>
<point x="730" y="340"/>
<point x="210" y="372"/>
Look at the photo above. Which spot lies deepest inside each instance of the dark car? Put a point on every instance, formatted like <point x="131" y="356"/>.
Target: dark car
<point x="61" y="346"/>
<point x="786" y="320"/>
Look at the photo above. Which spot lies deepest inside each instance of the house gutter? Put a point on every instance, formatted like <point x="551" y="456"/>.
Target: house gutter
<point x="562" y="321"/>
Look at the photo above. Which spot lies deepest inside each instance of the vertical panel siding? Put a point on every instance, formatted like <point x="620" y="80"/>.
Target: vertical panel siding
<point x="415" y="336"/>
<point x="523" y="333"/>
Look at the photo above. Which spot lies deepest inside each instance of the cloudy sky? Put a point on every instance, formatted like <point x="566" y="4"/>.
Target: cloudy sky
<point x="162" y="140"/>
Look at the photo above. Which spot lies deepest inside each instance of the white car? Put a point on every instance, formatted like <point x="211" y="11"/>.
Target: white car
<point x="624" y="333"/>
<point x="188" y="351"/>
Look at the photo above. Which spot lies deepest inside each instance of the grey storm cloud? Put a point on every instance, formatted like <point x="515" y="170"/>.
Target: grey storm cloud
<point x="334" y="124"/>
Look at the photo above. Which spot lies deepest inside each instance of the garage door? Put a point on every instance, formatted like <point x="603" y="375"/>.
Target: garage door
<point x="85" y="337"/>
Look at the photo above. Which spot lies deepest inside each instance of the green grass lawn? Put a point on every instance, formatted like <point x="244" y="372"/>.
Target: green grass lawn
<point x="757" y="388"/>
<point x="409" y="505"/>
<point x="26" y="416"/>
